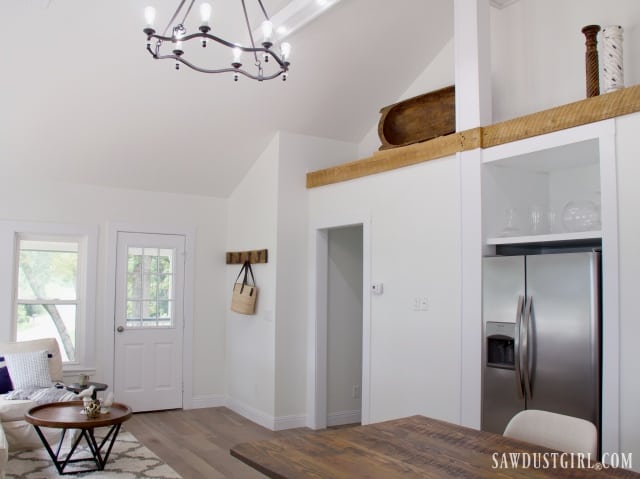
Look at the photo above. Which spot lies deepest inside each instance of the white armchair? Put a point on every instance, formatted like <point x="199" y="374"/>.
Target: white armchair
<point x="18" y="433"/>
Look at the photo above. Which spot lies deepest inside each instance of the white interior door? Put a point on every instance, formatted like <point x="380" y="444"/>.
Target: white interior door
<point x="149" y="320"/>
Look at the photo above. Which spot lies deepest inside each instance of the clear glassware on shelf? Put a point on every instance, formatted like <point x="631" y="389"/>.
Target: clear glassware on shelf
<point x="511" y="226"/>
<point x="551" y="221"/>
<point x="541" y="221"/>
<point x="537" y="221"/>
<point x="581" y="215"/>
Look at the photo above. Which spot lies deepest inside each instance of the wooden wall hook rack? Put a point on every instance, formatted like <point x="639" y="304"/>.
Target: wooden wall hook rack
<point x="254" y="256"/>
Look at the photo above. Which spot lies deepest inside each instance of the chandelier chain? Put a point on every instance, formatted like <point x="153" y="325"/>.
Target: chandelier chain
<point x="184" y="19"/>
<point x="253" y="45"/>
<point x="263" y="10"/>
<point x="173" y="18"/>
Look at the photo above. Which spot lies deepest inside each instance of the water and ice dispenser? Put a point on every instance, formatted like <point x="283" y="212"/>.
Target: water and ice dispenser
<point x="500" y="339"/>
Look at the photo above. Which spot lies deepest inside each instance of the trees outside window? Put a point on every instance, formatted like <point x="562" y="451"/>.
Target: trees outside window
<point x="48" y="272"/>
<point x="48" y="293"/>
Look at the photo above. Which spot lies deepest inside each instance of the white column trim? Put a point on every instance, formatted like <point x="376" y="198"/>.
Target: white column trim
<point x="470" y="168"/>
<point x="472" y="54"/>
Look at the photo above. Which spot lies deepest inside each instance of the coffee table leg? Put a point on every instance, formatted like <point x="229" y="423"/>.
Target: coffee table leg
<point x="115" y="429"/>
<point x="94" y="447"/>
<point x="71" y="451"/>
<point x="54" y="457"/>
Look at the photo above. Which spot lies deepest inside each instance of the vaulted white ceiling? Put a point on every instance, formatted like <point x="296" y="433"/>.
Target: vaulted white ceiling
<point x="82" y="101"/>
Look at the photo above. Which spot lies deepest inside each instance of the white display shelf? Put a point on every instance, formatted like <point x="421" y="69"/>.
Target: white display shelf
<point x="548" y="238"/>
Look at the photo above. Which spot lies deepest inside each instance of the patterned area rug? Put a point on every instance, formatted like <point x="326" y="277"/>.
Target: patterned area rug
<point x="129" y="459"/>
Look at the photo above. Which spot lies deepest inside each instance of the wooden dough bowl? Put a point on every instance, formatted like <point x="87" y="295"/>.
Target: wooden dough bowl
<point x="418" y="119"/>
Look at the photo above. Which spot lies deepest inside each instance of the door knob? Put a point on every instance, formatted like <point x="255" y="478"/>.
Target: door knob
<point x="120" y="329"/>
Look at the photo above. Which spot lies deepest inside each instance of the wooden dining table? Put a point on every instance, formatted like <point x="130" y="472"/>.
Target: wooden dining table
<point x="413" y="447"/>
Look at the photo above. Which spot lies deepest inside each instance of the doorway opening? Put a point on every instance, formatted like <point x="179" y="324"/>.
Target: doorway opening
<point x="338" y="388"/>
<point x="344" y="326"/>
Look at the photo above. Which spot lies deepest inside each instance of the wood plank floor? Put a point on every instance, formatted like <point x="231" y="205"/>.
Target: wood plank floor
<point x="196" y="442"/>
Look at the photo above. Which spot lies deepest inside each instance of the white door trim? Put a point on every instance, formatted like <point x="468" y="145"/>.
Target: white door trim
<point x="317" y="326"/>
<point x="110" y="294"/>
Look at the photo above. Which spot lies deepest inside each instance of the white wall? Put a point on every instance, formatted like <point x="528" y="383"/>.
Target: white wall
<point x="344" y="325"/>
<point x="33" y="200"/>
<point x="250" y="339"/>
<point x="628" y="152"/>
<point x="266" y="352"/>
<point x="415" y="252"/>
<point x="538" y="51"/>
<point x="298" y="155"/>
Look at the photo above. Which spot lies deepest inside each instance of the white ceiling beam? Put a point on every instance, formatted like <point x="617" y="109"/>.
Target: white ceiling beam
<point x="295" y="15"/>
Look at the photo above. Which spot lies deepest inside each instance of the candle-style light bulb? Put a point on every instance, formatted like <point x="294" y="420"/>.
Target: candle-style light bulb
<point x="237" y="54"/>
<point x="285" y="50"/>
<point x="177" y="50"/>
<point x="149" y="16"/>
<point x="205" y="13"/>
<point x="267" y="30"/>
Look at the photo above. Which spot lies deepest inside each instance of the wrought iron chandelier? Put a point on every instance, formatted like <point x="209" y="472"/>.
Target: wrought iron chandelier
<point x="267" y="63"/>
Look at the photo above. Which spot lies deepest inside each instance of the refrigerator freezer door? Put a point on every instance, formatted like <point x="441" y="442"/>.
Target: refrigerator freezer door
<point x="564" y="334"/>
<point x="503" y="284"/>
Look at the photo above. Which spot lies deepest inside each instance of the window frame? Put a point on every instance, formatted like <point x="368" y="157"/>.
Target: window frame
<point x="87" y="238"/>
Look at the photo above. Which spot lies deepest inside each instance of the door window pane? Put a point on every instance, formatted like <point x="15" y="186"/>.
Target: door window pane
<point x="165" y="261"/>
<point x="150" y="287"/>
<point x="164" y="286"/>
<point x="134" y="310"/>
<point x="134" y="264"/>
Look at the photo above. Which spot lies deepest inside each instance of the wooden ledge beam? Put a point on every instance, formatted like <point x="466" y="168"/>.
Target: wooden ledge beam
<point x="590" y="110"/>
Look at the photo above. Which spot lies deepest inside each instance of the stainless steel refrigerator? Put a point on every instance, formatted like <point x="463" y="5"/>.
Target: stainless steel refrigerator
<point x="541" y="336"/>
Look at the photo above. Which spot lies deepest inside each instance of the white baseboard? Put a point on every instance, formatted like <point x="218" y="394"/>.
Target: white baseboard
<point x="265" y="420"/>
<point x="249" y="412"/>
<point x="290" y="422"/>
<point x="344" y="417"/>
<point x="208" y="400"/>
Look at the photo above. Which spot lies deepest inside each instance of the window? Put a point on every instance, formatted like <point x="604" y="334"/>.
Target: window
<point x="150" y="299"/>
<point x="48" y="287"/>
<point x="48" y="299"/>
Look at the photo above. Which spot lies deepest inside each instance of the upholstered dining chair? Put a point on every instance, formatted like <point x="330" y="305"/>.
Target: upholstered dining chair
<point x="555" y="431"/>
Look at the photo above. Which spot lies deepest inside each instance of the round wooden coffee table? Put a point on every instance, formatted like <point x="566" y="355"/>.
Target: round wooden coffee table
<point x="70" y="415"/>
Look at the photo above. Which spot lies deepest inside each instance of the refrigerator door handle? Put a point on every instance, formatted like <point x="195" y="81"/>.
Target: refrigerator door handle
<point x="516" y="348"/>
<point x="525" y="348"/>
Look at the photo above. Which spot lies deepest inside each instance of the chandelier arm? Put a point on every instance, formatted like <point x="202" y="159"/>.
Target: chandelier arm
<point x="175" y="15"/>
<point x="222" y="41"/>
<point x="154" y="54"/>
<point x="220" y="70"/>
